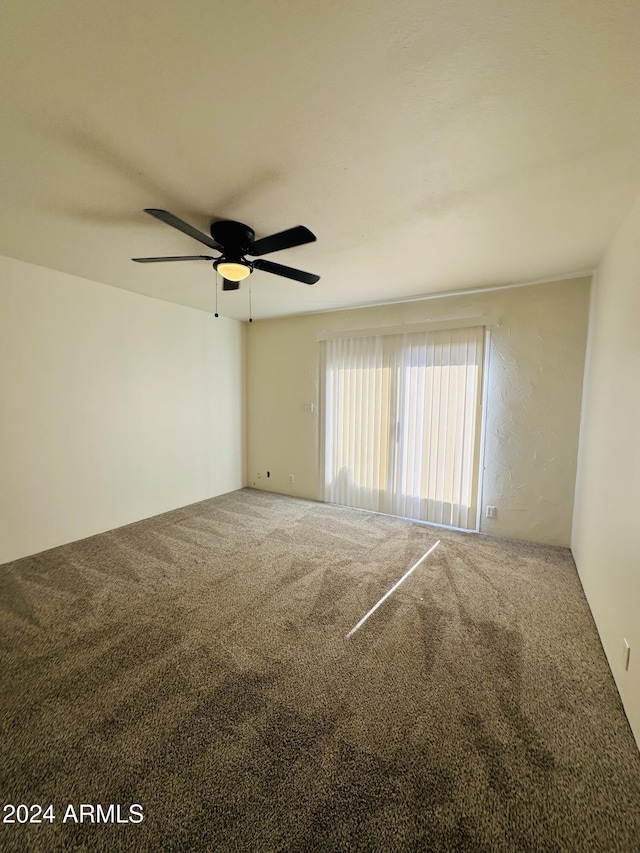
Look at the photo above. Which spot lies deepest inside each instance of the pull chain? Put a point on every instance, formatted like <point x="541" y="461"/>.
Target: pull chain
<point x="250" y="312"/>
<point x="217" y="280"/>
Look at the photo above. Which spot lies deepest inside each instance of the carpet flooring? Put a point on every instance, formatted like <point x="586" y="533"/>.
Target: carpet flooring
<point x="197" y="664"/>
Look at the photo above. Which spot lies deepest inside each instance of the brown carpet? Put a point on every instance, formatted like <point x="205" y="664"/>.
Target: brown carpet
<point x="196" y="663"/>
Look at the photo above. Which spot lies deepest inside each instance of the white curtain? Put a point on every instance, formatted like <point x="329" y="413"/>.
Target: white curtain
<point x="402" y="424"/>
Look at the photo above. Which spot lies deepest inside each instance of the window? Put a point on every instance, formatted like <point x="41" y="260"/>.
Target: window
<point x="402" y="423"/>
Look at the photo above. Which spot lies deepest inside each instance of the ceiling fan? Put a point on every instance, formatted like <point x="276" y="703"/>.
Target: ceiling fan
<point x="234" y="241"/>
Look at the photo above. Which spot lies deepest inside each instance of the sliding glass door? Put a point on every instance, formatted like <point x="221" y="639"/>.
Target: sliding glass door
<point x="402" y="416"/>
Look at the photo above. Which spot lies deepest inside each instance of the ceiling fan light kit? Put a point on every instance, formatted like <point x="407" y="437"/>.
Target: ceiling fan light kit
<point x="232" y="271"/>
<point x="234" y="241"/>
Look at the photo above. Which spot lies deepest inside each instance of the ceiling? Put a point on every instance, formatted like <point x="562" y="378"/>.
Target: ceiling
<point x="431" y="146"/>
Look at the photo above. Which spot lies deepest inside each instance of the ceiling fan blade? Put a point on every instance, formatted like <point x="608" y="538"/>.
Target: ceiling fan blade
<point x="297" y="236"/>
<point x="173" y="258"/>
<point x="287" y="272"/>
<point x="170" y="219"/>
<point x="230" y="285"/>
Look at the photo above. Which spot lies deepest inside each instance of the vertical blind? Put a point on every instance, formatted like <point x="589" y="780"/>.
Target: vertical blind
<point x="402" y="423"/>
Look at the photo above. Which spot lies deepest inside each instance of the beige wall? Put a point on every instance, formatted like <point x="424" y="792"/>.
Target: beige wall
<point x="115" y="407"/>
<point x="606" y="533"/>
<point x="534" y="393"/>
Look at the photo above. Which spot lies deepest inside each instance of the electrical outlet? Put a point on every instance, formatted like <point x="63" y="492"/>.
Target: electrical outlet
<point x="309" y="407"/>
<point x="491" y="512"/>
<point x="292" y="479"/>
<point x="259" y="475"/>
<point x="626" y="654"/>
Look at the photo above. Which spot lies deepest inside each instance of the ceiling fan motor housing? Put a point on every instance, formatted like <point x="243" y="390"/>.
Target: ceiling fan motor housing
<point x="234" y="237"/>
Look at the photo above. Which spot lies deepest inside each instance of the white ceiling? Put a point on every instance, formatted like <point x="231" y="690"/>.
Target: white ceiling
<point x="430" y="145"/>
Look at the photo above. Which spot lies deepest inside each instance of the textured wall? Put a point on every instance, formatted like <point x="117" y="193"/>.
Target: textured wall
<point x="606" y="535"/>
<point x="115" y="407"/>
<point x="533" y="405"/>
